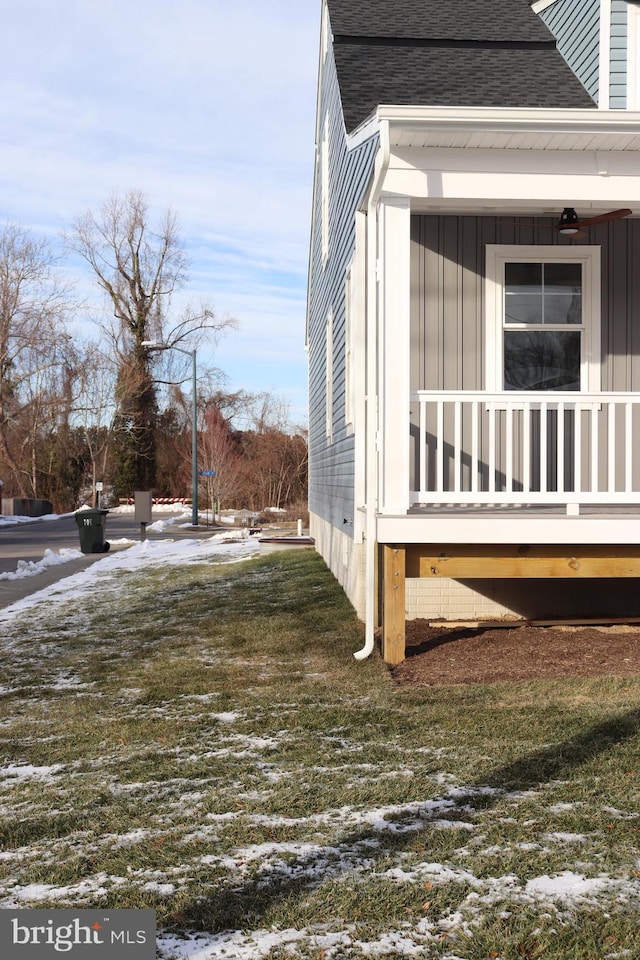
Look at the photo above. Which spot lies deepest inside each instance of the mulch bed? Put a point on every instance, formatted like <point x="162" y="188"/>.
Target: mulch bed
<point x="446" y="655"/>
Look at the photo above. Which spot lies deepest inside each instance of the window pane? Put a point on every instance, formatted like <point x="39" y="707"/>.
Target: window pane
<point x="563" y="293"/>
<point x="521" y="277"/>
<point x="561" y="308"/>
<point x="563" y="277"/>
<point x="523" y="308"/>
<point x="541" y="360"/>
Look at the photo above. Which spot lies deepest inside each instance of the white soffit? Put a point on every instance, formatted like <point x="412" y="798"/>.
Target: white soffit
<point x="526" y="129"/>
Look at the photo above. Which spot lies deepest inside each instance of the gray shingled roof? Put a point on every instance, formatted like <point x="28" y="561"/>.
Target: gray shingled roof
<point x="494" y="53"/>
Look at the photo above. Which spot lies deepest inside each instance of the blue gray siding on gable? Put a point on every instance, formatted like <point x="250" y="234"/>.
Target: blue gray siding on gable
<point x="618" y="68"/>
<point x="576" y="27"/>
<point x="331" y="465"/>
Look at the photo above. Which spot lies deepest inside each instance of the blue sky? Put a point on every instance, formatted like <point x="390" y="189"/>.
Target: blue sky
<point x="206" y="106"/>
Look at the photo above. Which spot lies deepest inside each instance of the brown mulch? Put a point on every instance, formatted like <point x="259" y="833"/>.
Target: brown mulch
<point x="452" y="655"/>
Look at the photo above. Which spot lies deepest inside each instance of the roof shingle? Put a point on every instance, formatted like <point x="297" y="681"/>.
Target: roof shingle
<point x="494" y="53"/>
<point x="453" y="19"/>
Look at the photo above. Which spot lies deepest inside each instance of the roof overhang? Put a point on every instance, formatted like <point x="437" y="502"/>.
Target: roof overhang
<point x="474" y="128"/>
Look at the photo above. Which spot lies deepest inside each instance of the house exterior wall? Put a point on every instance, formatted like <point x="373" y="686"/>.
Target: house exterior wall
<point x="332" y="451"/>
<point x="344" y="557"/>
<point x="618" y="57"/>
<point x="576" y="27"/>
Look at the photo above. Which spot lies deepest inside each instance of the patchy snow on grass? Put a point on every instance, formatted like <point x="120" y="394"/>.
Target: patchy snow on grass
<point x="237" y="808"/>
<point x="147" y="554"/>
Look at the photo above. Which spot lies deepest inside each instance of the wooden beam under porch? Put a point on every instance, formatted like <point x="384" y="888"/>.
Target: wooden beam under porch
<point x="489" y="561"/>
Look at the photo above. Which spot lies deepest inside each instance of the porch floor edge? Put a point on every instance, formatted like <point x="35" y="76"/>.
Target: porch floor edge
<point x="493" y="526"/>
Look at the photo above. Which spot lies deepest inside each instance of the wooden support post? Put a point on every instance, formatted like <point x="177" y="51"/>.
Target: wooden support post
<point x="393" y="611"/>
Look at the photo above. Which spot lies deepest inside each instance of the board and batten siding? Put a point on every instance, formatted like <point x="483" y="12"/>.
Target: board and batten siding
<point x="576" y="27"/>
<point x="331" y="460"/>
<point x="447" y="297"/>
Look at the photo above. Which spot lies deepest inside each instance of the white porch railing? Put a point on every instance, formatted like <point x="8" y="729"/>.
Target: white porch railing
<point x="516" y="448"/>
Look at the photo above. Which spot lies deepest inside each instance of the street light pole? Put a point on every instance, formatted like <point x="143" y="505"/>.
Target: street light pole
<point x="156" y="345"/>
<point x="194" y="441"/>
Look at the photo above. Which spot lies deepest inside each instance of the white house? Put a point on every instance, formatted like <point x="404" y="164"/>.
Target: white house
<point x="474" y="309"/>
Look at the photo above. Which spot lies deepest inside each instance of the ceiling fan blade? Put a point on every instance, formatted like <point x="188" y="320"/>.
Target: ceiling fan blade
<point x="604" y="218"/>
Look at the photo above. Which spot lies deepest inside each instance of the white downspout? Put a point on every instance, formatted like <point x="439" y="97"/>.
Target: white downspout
<point x="371" y="427"/>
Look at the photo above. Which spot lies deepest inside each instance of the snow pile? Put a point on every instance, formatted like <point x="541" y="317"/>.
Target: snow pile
<point x="51" y="558"/>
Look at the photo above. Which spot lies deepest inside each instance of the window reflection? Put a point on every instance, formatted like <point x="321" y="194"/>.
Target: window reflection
<point x="541" y="360"/>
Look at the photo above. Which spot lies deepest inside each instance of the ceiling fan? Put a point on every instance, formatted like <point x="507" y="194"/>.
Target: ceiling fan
<point x="571" y="224"/>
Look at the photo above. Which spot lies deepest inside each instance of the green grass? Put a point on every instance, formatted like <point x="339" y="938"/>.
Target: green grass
<point x="201" y="741"/>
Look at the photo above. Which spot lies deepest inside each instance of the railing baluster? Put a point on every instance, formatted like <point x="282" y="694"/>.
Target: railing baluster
<point x="508" y="472"/>
<point x="457" y="437"/>
<point x="492" y="448"/>
<point x="560" y="448"/>
<point x="474" y="446"/>
<point x="543" y="447"/>
<point x="439" y="446"/>
<point x="422" y="447"/>
<point x="577" y="448"/>
<point x="526" y="447"/>
<point x="593" y="483"/>
<point x="628" y="447"/>
<point x="611" y="447"/>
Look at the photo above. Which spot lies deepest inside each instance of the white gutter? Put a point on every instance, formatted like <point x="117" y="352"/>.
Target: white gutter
<point x="371" y="427"/>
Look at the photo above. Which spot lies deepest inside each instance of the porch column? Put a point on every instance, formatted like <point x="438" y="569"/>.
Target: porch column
<point x="394" y="279"/>
<point x="393" y="611"/>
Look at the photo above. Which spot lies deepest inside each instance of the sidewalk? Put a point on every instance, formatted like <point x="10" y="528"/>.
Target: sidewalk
<point x="13" y="590"/>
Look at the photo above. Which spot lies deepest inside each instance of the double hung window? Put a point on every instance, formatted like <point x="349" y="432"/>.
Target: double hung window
<point x="543" y="329"/>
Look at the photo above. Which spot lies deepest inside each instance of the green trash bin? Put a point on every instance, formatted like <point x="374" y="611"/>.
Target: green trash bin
<point x="91" y="525"/>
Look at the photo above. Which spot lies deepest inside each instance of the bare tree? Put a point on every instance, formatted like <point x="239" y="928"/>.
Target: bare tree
<point x="275" y="454"/>
<point x="34" y="305"/>
<point x="219" y="456"/>
<point x="94" y="410"/>
<point x="139" y="269"/>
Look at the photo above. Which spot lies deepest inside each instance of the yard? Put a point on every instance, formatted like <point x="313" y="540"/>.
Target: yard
<point x="199" y="740"/>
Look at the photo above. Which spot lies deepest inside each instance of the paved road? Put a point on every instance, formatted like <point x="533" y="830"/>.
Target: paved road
<point x="28" y="542"/>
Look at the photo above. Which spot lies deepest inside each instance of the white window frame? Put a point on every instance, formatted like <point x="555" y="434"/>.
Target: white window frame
<point x="497" y="255"/>
<point x="328" y="377"/>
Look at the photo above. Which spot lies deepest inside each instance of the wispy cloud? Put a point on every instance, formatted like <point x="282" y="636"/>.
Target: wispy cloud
<point x="206" y="106"/>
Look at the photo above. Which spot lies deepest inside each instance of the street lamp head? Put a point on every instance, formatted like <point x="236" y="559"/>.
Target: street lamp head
<point x="154" y="345"/>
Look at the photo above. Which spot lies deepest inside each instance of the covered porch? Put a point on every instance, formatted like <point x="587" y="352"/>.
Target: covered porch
<point x="505" y="439"/>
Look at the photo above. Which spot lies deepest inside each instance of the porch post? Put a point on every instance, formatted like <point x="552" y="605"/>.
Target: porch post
<point x="394" y="280"/>
<point x="393" y="612"/>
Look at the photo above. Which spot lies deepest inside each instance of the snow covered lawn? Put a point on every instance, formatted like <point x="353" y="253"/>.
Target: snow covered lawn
<point x="184" y="728"/>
